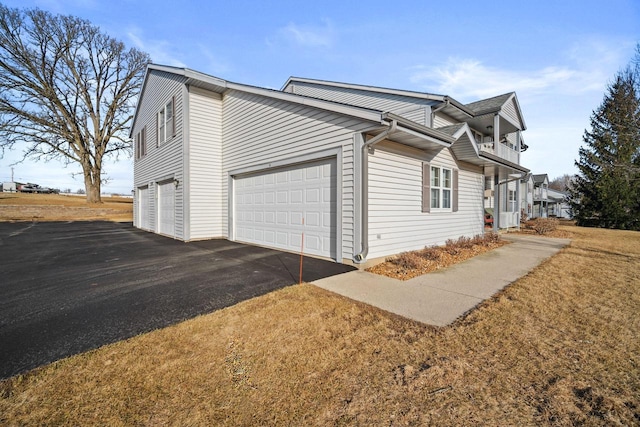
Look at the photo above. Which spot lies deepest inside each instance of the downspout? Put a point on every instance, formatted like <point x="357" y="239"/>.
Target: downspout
<point x="441" y="107"/>
<point x="364" y="190"/>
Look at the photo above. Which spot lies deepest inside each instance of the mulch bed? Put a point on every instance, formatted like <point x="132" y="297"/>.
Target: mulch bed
<point x="445" y="258"/>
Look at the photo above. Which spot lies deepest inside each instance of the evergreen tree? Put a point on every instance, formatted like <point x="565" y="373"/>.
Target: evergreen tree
<point x="606" y="192"/>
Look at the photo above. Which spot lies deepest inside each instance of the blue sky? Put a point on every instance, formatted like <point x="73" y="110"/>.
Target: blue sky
<point x="558" y="56"/>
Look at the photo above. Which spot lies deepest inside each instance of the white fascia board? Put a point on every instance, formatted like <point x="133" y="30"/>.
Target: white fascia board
<point x="421" y="95"/>
<point x="420" y="130"/>
<point x="465" y="129"/>
<point x="515" y="100"/>
<point x="423" y="136"/>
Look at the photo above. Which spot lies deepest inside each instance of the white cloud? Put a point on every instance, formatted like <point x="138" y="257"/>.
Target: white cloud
<point x="586" y="68"/>
<point x="161" y="51"/>
<point x="557" y="97"/>
<point x="214" y="64"/>
<point x="309" y="35"/>
<point x="470" y="79"/>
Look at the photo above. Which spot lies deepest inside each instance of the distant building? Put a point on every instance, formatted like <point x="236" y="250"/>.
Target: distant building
<point x="9" y="187"/>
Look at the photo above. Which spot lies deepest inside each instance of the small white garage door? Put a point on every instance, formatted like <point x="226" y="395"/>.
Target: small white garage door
<point x="270" y="206"/>
<point x="143" y="208"/>
<point x="166" y="208"/>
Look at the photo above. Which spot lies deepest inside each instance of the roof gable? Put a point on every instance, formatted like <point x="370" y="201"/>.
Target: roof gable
<point x="489" y="105"/>
<point x="540" y="178"/>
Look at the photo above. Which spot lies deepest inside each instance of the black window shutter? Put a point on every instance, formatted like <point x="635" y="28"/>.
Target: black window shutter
<point x="454" y="202"/>
<point x="426" y="187"/>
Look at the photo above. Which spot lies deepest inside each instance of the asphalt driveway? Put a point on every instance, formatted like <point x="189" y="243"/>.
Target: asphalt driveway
<point x="66" y="288"/>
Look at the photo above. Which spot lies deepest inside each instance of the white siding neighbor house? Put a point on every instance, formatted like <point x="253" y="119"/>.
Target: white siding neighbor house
<point x="361" y="172"/>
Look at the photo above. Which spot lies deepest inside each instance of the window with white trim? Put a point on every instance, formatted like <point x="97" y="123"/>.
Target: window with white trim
<point x="166" y="122"/>
<point x="441" y="188"/>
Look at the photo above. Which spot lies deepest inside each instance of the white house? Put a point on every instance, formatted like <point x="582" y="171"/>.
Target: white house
<point x="540" y="195"/>
<point x="558" y="205"/>
<point x="362" y="172"/>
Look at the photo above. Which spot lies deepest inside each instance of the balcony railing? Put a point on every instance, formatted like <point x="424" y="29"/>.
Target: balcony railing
<point x="501" y="150"/>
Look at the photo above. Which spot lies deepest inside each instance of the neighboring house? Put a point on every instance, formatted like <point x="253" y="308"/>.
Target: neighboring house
<point x="355" y="172"/>
<point x="526" y="194"/>
<point x="9" y="187"/>
<point x="540" y="196"/>
<point x="558" y="205"/>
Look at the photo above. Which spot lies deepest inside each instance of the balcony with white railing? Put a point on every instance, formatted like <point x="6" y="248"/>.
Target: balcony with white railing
<point x="540" y="193"/>
<point x="500" y="149"/>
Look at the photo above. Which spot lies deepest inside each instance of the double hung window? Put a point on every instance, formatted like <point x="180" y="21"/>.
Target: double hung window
<point x="441" y="186"/>
<point x="166" y="122"/>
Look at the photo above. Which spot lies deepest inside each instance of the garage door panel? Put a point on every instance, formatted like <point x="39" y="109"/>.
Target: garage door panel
<point x="281" y="200"/>
<point x="166" y="208"/>
<point x="143" y="208"/>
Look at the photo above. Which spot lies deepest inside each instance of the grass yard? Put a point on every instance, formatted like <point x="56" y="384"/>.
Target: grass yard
<point x="559" y="347"/>
<point x="58" y="207"/>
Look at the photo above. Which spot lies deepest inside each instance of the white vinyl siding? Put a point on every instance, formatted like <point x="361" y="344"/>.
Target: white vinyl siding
<point x="416" y="109"/>
<point x="396" y="220"/>
<point x="166" y="160"/>
<point x="259" y="130"/>
<point x="205" y="165"/>
<point x="441" y="120"/>
<point x="510" y="110"/>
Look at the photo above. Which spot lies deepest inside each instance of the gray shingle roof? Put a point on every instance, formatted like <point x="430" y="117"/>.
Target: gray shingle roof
<point x="489" y="105"/>
<point x="451" y="129"/>
<point x="539" y="179"/>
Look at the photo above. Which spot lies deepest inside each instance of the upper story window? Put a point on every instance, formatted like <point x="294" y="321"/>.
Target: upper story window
<point x="141" y="143"/>
<point x="441" y="185"/>
<point x="166" y="122"/>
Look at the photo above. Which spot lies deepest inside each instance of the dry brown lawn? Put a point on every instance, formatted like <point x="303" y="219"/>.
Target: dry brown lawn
<point x="558" y="347"/>
<point x="57" y="207"/>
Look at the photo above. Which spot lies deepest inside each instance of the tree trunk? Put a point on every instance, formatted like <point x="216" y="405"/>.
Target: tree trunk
<point x="92" y="183"/>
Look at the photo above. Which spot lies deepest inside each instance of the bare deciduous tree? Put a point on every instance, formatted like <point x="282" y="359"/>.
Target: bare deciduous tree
<point x="67" y="90"/>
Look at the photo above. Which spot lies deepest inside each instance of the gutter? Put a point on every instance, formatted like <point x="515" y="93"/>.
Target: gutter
<point x="364" y="190"/>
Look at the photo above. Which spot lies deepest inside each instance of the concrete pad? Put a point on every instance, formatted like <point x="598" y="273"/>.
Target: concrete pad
<point x="441" y="297"/>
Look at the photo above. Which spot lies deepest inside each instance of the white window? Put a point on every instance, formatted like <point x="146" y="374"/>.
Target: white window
<point x="441" y="186"/>
<point x="166" y="122"/>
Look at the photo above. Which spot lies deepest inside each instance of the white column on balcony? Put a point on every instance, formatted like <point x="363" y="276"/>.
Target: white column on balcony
<point x="518" y="201"/>
<point x="496" y="131"/>
<point x="496" y="201"/>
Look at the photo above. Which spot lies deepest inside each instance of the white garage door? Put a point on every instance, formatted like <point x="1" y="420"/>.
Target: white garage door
<point x="270" y="207"/>
<point x="166" y="208"/>
<point x="143" y="208"/>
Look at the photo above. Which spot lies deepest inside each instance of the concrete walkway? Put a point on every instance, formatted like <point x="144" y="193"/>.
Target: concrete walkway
<point x="439" y="298"/>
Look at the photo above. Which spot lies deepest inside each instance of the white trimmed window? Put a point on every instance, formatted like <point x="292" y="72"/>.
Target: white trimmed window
<point x="441" y="188"/>
<point x="166" y="122"/>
